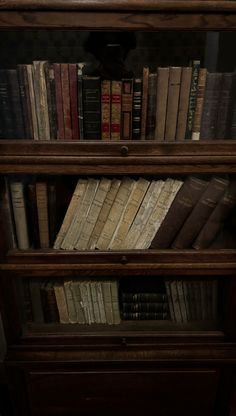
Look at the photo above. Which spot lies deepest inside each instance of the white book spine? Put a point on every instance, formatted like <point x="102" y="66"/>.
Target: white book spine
<point x="19" y="211"/>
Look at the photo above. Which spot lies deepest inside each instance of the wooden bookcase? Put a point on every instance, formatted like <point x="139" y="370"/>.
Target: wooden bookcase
<point x="136" y="367"/>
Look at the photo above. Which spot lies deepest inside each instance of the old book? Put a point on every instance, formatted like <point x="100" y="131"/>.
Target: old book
<point x="24" y="294"/>
<point x="192" y="98"/>
<point x="70" y="301"/>
<point x="126" y="109"/>
<point x="32" y="215"/>
<point x="116" y="110"/>
<point x="61" y="302"/>
<point x="175" y="300"/>
<point x="83" y="285"/>
<point x="30" y="74"/>
<point x="143" y="214"/>
<point x="91" y="107"/>
<point x="164" y="201"/>
<point x="115" y="213"/>
<point x="98" y="285"/>
<point x="145" y="307"/>
<point x="49" y="303"/>
<point x="51" y="98"/>
<point x="200" y="213"/>
<point x="80" y="215"/>
<point x="66" y="101"/>
<point x="216" y="220"/>
<point x="225" y="105"/>
<point x="172" y="102"/>
<point x="7" y="223"/>
<point x="151" y="107"/>
<point x="106" y="109"/>
<point x="93" y="213"/>
<point x="185" y="84"/>
<point x="161" y="102"/>
<point x="181" y="207"/>
<point x="137" y="109"/>
<point x="75" y="201"/>
<point x="199" y="104"/>
<point x="170" y="300"/>
<point x="7" y="124"/>
<point x="41" y="99"/>
<point x="103" y="214"/>
<point x="36" y="301"/>
<point x="16" y="105"/>
<point x="182" y="304"/>
<point x="75" y="286"/>
<point x="81" y="68"/>
<point x="59" y="102"/>
<point x="25" y="100"/>
<point x="210" y="106"/>
<point x="106" y="291"/>
<point x="115" y="302"/>
<point x="52" y="209"/>
<point x="187" y="299"/>
<point x="129" y="213"/>
<point x="142" y="297"/>
<point x="140" y="316"/>
<point x="95" y="302"/>
<point x="203" y="290"/>
<point x="19" y="211"/>
<point x="144" y="102"/>
<point x="42" y="208"/>
<point x="73" y="87"/>
<point x="90" y="303"/>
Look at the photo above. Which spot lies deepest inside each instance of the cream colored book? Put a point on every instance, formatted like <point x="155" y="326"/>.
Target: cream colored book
<point x="19" y="211"/>
<point x="94" y="295"/>
<point x="80" y="215"/>
<point x="61" y="302"/>
<point x="75" y="201"/>
<point x="143" y="214"/>
<point x="85" y="300"/>
<point x="115" y="213"/>
<point x="70" y="302"/>
<point x="78" y="301"/>
<point x="93" y="214"/>
<point x="106" y="291"/>
<point x="42" y="210"/>
<point x="165" y="199"/>
<point x="101" y="305"/>
<point x="90" y="303"/>
<point x="102" y="217"/>
<point x="30" y="77"/>
<point x="115" y="302"/>
<point x="129" y="213"/>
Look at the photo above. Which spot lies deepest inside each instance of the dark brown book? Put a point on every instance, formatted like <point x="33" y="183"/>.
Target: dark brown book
<point x="126" y="109"/>
<point x="7" y="120"/>
<point x="49" y="303"/>
<point x="140" y="316"/>
<point x="199" y="104"/>
<point x="52" y="210"/>
<point x="32" y="215"/>
<point x="181" y="207"/>
<point x="74" y="100"/>
<point x="144" y="102"/>
<point x="225" y="105"/>
<point x="91" y="108"/>
<point x="16" y="106"/>
<point x="151" y="107"/>
<point x="26" y="114"/>
<point x="143" y="297"/>
<point x="137" y="109"/>
<point x="210" y="106"/>
<point x="42" y="209"/>
<point x="145" y="307"/>
<point x="65" y="87"/>
<point x="185" y="83"/>
<point x="172" y="103"/>
<point x="59" y="104"/>
<point x="51" y="99"/>
<point x="161" y="102"/>
<point x="200" y="213"/>
<point x="217" y="218"/>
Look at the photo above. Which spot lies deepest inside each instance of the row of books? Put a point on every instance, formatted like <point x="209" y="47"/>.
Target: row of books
<point x="125" y="213"/>
<point x="83" y="301"/>
<point x="44" y="101"/>
<point x="72" y="301"/>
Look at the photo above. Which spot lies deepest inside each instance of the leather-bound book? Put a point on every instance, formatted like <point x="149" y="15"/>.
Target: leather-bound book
<point x="181" y="207"/>
<point x="172" y="103"/>
<point x="126" y="109"/>
<point x="59" y="104"/>
<point x="19" y="212"/>
<point x="32" y="215"/>
<point x="199" y="104"/>
<point x="92" y="107"/>
<point x="216" y="220"/>
<point x="42" y="208"/>
<point x="66" y="102"/>
<point x="144" y="102"/>
<point x="73" y="81"/>
<point x="145" y="306"/>
<point x="161" y="102"/>
<point x="225" y="105"/>
<point x="210" y="106"/>
<point x="185" y="83"/>
<point x="7" y="124"/>
<point x="192" y="98"/>
<point x="143" y="297"/>
<point x="151" y="107"/>
<point x="16" y="106"/>
<point x="51" y="98"/>
<point x="30" y="77"/>
<point x="106" y="109"/>
<point x="137" y="109"/>
<point x="41" y="99"/>
<point x="24" y="98"/>
<point x="115" y="110"/>
<point x="49" y="303"/>
<point x="200" y="213"/>
<point x="140" y="316"/>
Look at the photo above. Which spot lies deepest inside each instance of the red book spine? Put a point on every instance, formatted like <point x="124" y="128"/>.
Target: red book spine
<point x="65" y="86"/>
<point x="115" y="110"/>
<point x="74" y="101"/>
<point x="59" y="106"/>
<point x="106" y="109"/>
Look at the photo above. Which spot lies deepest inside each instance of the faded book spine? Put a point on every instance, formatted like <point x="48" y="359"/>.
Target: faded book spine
<point x="210" y="106"/>
<point x="106" y="109"/>
<point x="183" y="103"/>
<point x="19" y="211"/>
<point x="161" y="103"/>
<point x="199" y="104"/>
<point x="66" y="101"/>
<point x="192" y="98"/>
<point x="30" y="75"/>
<point x="42" y="209"/>
<point x="172" y="102"/>
<point x="225" y="105"/>
<point x="115" y="110"/>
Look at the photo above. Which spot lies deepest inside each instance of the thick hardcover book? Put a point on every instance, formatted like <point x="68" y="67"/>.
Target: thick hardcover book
<point x="181" y="207"/>
<point x="106" y="291"/>
<point x="42" y="208"/>
<point x="161" y="103"/>
<point x="151" y="107"/>
<point x="7" y="124"/>
<point x="200" y="213"/>
<point x="26" y="114"/>
<point x="172" y="103"/>
<point x="185" y="84"/>
<point x="225" y="105"/>
<point x="216" y="220"/>
<point x="95" y="302"/>
<point x="70" y="301"/>
<point x="61" y="302"/>
<point x="106" y="109"/>
<point x="73" y="81"/>
<point x="137" y="109"/>
<point x="92" y="107"/>
<point x="144" y="102"/>
<point x="210" y="106"/>
<point x="41" y="99"/>
<point x="77" y="296"/>
<point x="81" y="71"/>
<point x="59" y="102"/>
<point x="115" y="301"/>
<point x="30" y="76"/>
<point x="52" y="209"/>
<point x="49" y="303"/>
<point x="126" y="109"/>
<point x="16" y="106"/>
<point x="6" y="215"/>
<point x="51" y="97"/>
<point x="199" y="104"/>
<point x="145" y="307"/>
<point x="143" y="297"/>
<point x="116" y="109"/>
<point x="66" y="100"/>
<point x="32" y="215"/>
<point x="19" y="211"/>
<point x="192" y="98"/>
<point x="140" y="316"/>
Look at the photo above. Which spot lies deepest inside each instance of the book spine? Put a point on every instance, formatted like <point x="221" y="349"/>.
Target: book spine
<point x="161" y="104"/>
<point x="73" y="82"/>
<point x="143" y="297"/>
<point x="23" y="100"/>
<point x="78" y="302"/>
<point x="151" y="107"/>
<point x="32" y="215"/>
<point x="7" y="125"/>
<point x="225" y="105"/>
<point x="192" y="98"/>
<point x="183" y="103"/>
<point x="49" y="303"/>
<point x="19" y="210"/>
<point x="199" y="104"/>
<point x="137" y="109"/>
<point x="7" y="224"/>
<point x="16" y="103"/>
<point x="115" y="302"/>
<point x="68" y="286"/>
<point x="61" y="303"/>
<point x="36" y="300"/>
<point x="210" y="106"/>
<point x="145" y="307"/>
<point x="81" y="67"/>
<point x="51" y="98"/>
<point x="42" y="209"/>
<point x="27" y="99"/>
<point x="106" y="109"/>
<point x="30" y="75"/>
<point x="172" y="102"/>
<point x="59" y="102"/>
<point x="144" y="102"/>
<point x="140" y="316"/>
<point x="126" y="109"/>
<point x="92" y="108"/>
<point x="66" y="101"/>
<point x="116" y="110"/>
